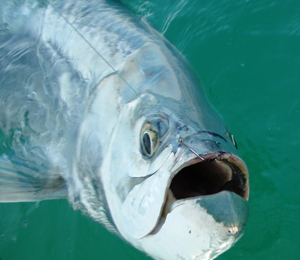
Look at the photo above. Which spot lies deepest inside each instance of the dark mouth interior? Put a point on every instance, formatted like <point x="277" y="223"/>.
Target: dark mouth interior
<point x="206" y="178"/>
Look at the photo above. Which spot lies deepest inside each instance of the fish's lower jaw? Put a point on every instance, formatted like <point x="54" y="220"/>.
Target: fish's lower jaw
<point x="189" y="232"/>
<point x="205" y="181"/>
<point x="204" y="210"/>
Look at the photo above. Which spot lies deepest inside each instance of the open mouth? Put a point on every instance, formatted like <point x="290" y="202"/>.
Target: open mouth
<point x="197" y="178"/>
<point x="207" y="178"/>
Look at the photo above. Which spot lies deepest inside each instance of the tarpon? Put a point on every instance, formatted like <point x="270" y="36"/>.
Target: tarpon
<point x="99" y="108"/>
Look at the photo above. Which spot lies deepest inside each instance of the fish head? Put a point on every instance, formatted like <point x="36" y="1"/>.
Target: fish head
<point x="178" y="191"/>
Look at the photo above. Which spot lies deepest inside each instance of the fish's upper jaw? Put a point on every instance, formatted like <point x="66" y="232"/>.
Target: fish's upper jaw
<point x="206" y="164"/>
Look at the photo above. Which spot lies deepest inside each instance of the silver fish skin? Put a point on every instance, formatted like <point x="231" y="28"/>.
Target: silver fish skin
<point x="98" y="107"/>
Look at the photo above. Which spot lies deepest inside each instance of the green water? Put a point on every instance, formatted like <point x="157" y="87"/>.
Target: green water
<point x="247" y="55"/>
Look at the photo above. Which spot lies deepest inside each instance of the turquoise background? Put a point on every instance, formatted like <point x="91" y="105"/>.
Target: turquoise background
<point x="247" y="55"/>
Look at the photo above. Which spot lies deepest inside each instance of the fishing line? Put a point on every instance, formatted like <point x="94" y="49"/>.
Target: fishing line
<point x="190" y="148"/>
<point x="93" y="48"/>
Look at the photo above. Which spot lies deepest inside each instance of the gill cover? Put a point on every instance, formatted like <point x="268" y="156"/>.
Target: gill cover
<point x="143" y="205"/>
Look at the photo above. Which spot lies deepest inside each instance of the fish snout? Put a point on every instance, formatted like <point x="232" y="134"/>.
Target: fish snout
<point x="205" y="142"/>
<point x="210" y="166"/>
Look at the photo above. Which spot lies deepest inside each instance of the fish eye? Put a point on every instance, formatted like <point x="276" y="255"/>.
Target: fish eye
<point x="153" y="133"/>
<point x="149" y="140"/>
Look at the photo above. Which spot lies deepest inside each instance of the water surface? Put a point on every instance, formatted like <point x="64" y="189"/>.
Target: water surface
<point x="247" y="55"/>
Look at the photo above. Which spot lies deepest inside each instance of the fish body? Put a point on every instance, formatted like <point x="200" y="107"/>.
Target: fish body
<point x="99" y="108"/>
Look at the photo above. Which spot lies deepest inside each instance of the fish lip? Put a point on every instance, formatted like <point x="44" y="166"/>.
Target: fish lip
<point x="227" y="158"/>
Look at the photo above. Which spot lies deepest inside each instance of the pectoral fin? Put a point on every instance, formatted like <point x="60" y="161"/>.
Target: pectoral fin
<point x="19" y="181"/>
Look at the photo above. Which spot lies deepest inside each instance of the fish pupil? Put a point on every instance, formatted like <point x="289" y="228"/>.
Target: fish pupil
<point x="147" y="143"/>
